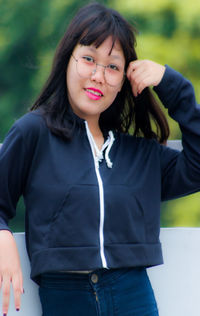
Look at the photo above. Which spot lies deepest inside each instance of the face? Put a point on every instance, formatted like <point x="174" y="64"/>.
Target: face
<point x="89" y="97"/>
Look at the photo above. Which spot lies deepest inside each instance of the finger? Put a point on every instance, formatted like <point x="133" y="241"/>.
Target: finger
<point x="137" y="77"/>
<point x="144" y="83"/>
<point x="6" y="294"/>
<point x="133" y="66"/>
<point x="135" y="73"/>
<point x="17" y="289"/>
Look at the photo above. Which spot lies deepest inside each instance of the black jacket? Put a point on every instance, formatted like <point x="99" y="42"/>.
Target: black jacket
<point x="84" y="213"/>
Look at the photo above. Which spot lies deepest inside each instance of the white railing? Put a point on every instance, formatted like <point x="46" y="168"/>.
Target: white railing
<point x="176" y="283"/>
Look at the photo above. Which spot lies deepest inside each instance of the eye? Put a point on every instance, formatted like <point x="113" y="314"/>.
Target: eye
<point x="88" y="59"/>
<point x="113" y="67"/>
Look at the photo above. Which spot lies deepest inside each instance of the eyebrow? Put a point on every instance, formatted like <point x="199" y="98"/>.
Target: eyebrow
<point x="92" y="49"/>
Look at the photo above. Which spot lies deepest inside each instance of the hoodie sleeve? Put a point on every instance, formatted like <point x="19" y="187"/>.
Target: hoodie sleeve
<point x="13" y="171"/>
<point x="180" y="170"/>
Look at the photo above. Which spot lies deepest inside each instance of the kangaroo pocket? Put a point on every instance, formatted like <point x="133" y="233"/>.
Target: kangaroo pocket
<point x="76" y="221"/>
<point x="124" y="219"/>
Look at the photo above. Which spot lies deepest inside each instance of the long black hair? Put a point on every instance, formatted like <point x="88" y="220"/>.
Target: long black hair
<point x="92" y="25"/>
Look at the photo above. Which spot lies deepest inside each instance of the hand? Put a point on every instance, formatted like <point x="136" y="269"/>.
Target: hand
<point x="144" y="73"/>
<point x="10" y="270"/>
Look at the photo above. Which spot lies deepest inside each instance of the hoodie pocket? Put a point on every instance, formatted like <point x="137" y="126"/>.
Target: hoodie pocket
<point x="125" y="218"/>
<point x="76" y="221"/>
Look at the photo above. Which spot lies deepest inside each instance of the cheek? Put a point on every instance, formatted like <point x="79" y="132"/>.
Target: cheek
<point x="72" y="86"/>
<point x="113" y="96"/>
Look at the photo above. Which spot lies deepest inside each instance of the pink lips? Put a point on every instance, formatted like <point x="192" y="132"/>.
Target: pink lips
<point x="93" y="96"/>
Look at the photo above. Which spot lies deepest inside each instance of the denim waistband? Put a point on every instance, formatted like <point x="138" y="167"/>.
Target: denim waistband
<point x="104" y="277"/>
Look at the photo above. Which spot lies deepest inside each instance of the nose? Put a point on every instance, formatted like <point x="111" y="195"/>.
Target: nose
<point x="98" y="74"/>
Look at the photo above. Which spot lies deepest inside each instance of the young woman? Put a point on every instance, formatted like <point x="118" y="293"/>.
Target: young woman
<point x="92" y="190"/>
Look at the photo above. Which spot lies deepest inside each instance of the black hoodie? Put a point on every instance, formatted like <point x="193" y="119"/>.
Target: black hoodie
<point x="84" y="211"/>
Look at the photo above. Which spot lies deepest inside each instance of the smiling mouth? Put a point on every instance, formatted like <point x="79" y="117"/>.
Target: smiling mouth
<point x="93" y="93"/>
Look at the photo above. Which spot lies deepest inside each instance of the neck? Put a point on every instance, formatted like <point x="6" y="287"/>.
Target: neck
<point x="94" y="128"/>
<point x="96" y="133"/>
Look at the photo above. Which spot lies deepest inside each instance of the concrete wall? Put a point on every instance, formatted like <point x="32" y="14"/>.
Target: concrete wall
<point x="177" y="282"/>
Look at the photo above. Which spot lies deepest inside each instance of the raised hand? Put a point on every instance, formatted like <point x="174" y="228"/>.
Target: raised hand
<point x="144" y="73"/>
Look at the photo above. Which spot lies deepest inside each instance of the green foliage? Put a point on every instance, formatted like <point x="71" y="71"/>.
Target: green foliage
<point x="182" y="212"/>
<point x="169" y="32"/>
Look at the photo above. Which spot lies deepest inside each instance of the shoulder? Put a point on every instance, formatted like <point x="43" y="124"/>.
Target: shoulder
<point x="28" y="129"/>
<point x="31" y="122"/>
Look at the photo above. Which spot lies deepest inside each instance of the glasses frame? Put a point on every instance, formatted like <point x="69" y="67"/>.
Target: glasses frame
<point x="94" y="71"/>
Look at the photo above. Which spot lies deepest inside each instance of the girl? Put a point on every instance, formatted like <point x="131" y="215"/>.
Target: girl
<point x="92" y="190"/>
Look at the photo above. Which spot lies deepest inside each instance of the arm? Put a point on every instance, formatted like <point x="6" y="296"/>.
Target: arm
<point x="13" y="167"/>
<point x="180" y="171"/>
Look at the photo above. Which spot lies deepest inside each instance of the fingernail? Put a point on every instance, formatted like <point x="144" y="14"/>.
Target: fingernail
<point x="23" y="291"/>
<point x="17" y="309"/>
<point x="4" y="314"/>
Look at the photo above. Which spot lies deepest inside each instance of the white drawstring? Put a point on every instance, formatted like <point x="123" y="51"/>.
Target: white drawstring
<point x="111" y="141"/>
<point x="98" y="154"/>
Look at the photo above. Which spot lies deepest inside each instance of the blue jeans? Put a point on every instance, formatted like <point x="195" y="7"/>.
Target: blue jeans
<point x="114" y="292"/>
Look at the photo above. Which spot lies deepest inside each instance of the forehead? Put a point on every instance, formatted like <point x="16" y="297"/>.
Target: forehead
<point x="106" y="48"/>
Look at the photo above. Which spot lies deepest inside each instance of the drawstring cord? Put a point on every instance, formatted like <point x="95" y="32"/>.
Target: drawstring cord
<point x="98" y="154"/>
<point x="111" y="141"/>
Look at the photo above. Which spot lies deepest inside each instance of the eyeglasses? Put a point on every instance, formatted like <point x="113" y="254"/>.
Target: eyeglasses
<point x="87" y="67"/>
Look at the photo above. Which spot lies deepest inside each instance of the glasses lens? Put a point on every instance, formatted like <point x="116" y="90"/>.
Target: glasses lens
<point x="85" y="68"/>
<point x="113" y="76"/>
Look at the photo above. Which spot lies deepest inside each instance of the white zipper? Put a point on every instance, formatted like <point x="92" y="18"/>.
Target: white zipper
<point x="101" y="197"/>
<point x="101" y="194"/>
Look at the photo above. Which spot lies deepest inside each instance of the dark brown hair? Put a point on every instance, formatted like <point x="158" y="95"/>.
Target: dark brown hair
<point x="92" y="25"/>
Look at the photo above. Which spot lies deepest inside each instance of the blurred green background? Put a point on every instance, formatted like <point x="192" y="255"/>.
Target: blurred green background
<point x="169" y="33"/>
